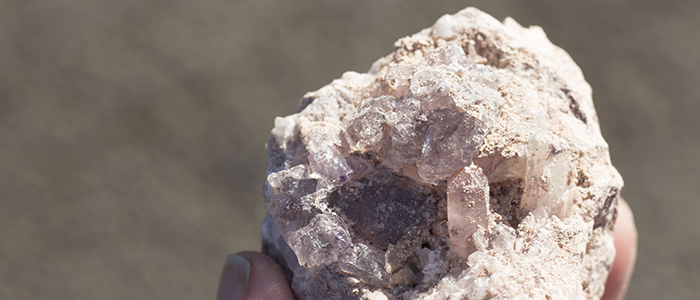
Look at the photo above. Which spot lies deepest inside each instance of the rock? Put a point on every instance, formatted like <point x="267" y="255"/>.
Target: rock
<point x="467" y="164"/>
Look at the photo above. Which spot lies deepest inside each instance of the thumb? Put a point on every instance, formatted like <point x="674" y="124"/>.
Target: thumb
<point x="252" y="276"/>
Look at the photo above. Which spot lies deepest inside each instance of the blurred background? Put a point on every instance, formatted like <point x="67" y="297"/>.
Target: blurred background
<point x="132" y="132"/>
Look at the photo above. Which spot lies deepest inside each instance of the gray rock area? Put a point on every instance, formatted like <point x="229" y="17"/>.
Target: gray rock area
<point x="467" y="164"/>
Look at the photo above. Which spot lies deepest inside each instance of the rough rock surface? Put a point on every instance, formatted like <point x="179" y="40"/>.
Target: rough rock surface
<point x="467" y="164"/>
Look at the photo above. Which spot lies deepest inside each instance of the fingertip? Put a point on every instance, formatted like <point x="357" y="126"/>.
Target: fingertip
<point x="267" y="281"/>
<point x="235" y="277"/>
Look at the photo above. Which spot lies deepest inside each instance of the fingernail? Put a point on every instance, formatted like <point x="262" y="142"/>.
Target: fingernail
<point x="234" y="278"/>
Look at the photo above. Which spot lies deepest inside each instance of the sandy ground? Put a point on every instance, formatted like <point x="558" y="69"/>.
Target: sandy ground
<point x="132" y="132"/>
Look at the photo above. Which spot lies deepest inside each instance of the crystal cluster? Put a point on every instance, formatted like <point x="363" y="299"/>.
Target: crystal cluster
<point x="467" y="164"/>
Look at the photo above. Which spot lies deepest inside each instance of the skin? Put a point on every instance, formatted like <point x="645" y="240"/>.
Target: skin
<point x="625" y="234"/>
<point x="267" y="282"/>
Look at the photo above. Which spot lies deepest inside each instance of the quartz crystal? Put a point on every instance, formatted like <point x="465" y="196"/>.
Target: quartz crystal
<point x="467" y="164"/>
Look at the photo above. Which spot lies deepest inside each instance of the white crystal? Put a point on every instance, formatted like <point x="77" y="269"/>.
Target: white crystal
<point x="467" y="208"/>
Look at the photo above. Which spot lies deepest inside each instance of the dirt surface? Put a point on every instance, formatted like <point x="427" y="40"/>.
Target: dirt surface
<point x="132" y="133"/>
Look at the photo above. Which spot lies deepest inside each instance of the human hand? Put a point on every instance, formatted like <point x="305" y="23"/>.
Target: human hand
<point x="255" y="276"/>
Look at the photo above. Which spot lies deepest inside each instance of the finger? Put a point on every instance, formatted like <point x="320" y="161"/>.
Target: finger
<point x="625" y="234"/>
<point x="266" y="280"/>
<point x="235" y="277"/>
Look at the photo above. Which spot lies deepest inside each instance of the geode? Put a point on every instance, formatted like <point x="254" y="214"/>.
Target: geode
<point x="467" y="164"/>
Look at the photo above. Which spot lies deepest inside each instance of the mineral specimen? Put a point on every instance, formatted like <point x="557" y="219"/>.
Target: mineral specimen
<point x="467" y="164"/>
